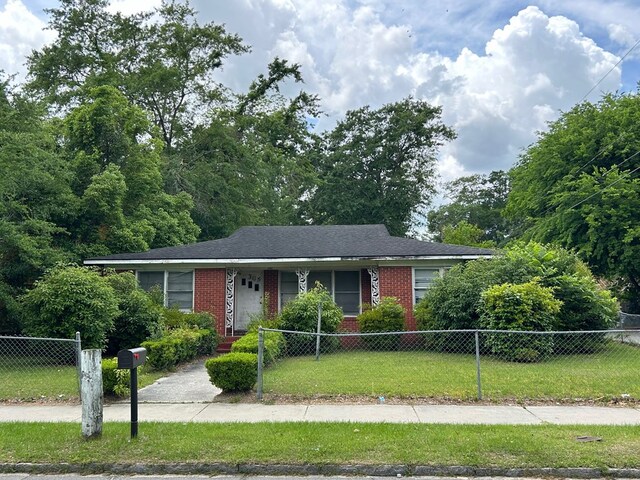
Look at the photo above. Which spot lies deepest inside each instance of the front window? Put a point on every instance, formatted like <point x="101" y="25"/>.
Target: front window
<point x="344" y="287"/>
<point x="423" y="278"/>
<point x="177" y="287"/>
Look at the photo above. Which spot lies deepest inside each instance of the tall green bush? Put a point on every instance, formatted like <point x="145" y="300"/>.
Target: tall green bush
<point x="301" y="314"/>
<point x="139" y="319"/>
<point x="387" y="316"/>
<point x="453" y="302"/>
<point x="69" y="299"/>
<point x="523" y="307"/>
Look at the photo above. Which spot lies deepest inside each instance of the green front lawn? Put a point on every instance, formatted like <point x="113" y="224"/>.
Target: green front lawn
<point x="325" y="443"/>
<point x="21" y="382"/>
<point x="31" y="379"/>
<point x="601" y="376"/>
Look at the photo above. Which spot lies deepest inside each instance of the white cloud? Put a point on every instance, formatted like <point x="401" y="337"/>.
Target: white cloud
<point x="352" y="55"/>
<point x="532" y="68"/>
<point x="20" y="32"/>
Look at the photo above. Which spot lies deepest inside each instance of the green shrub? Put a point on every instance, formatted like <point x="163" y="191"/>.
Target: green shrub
<point x="585" y="305"/>
<point x="301" y="315"/>
<point x="387" y="316"/>
<point x="178" y="346"/>
<point x="70" y="299"/>
<point x="173" y="319"/>
<point x="274" y="345"/>
<point x="140" y="318"/>
<point x="524" y="307"/>
<point x="233" y="372"/>
<point x="453" y="302"/>
<point x="115" y="381"/>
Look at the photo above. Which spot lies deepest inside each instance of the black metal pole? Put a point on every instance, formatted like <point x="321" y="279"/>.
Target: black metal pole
<point x="134" y="402"/>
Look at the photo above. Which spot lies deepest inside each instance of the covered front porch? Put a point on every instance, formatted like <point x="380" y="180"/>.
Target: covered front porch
<point x="250" y="292"/>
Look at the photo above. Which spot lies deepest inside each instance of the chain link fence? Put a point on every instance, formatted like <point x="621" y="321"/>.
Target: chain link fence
<point x="39" y="369"/>
<point x="453" y="365"/>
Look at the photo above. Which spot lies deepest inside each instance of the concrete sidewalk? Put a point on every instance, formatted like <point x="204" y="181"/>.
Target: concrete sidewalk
<point x="239" y="412"/>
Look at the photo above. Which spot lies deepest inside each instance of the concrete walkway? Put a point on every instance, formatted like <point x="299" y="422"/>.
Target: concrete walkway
<point x="190" y="384"/>
<point x="238" y="412"/>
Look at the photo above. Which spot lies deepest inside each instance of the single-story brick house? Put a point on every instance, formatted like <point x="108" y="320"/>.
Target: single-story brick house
<point x="229" y="277"/>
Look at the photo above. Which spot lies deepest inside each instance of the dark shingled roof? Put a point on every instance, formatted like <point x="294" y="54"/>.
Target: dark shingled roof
<point x="350" y="241"/>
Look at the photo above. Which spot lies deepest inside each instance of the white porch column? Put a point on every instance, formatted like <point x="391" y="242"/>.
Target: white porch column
<point x="375" y="285"/>
<point x="229" y="300"/>
<point x="302" y="280"/>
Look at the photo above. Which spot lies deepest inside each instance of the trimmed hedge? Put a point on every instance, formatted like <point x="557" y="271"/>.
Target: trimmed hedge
<point x="387" y="316"/>
<point x="274" y="345"/>
<point x="178" y="346"/>
<point x="115" y="381"/>
<point x="233" y="372"/>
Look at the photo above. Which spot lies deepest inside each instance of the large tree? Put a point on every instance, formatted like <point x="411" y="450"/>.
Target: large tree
<point x="35" y="200"/>
<point x="477" y="200"/>
<point x="163" y="61"/>
<point x="578" y="185"/>
<point x="378" y="166"/>
<point x="116" y="162"/>
<point x="249" y="164"/>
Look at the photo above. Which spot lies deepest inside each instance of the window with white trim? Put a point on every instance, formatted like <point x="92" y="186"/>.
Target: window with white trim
<point x="176" y="286"/>
<point x="423" y="278"/>
<point x="344" y="286"/>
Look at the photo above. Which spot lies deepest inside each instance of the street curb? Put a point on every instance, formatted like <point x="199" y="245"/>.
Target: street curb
<point x="319" y="469"/>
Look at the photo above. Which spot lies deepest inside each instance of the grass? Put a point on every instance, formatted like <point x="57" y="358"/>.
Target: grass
<point x="24" y="382"/>
<point x="601" y="376"/>
<point x="325" y="443"/>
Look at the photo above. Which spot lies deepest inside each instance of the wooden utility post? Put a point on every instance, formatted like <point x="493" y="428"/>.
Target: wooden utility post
<point x="91" y="393"/>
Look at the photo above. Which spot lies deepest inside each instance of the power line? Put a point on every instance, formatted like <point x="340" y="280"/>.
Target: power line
<point x="576" y="172"/>
<point x="611" y="184"/>
<point x="611" y="70"/>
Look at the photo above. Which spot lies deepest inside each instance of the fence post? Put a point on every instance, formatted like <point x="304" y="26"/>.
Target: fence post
<point x="78" y="362"/>
<point x="477" y="335"/>
<point x="91" y="393"/>
<point x="318" y="331"/>
<point x="260" y="361"/>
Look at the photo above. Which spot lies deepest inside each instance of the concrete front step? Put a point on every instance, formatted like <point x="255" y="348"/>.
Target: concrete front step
<point x="225" y="344"/>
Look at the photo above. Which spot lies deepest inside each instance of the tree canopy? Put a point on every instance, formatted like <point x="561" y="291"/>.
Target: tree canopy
<point x="378" y="166"/>
<point x="163" y="61"/>
<point x="475" y="200"/>
<point x="578" y="186"/>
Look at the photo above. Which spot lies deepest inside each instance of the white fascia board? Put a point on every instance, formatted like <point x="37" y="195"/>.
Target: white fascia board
<point x="276" y="261"/>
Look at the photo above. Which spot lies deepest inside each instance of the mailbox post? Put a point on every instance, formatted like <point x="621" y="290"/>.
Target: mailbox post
<point x="131" y="359"/>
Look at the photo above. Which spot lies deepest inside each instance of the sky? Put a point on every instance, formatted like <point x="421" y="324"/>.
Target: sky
<point x="500" y="69"/>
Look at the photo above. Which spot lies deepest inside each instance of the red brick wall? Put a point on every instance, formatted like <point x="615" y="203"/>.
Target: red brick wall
<point x="398" y="282"/>
<point x="365" y="286"/>
<point x="271" y="287"/>
<point x="209" y="295"/>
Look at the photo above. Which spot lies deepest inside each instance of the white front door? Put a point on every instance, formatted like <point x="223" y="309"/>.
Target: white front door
<point x="249" y="293"/>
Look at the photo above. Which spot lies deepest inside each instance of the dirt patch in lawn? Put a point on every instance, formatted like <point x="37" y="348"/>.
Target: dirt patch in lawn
<point x="275" y="399"/>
